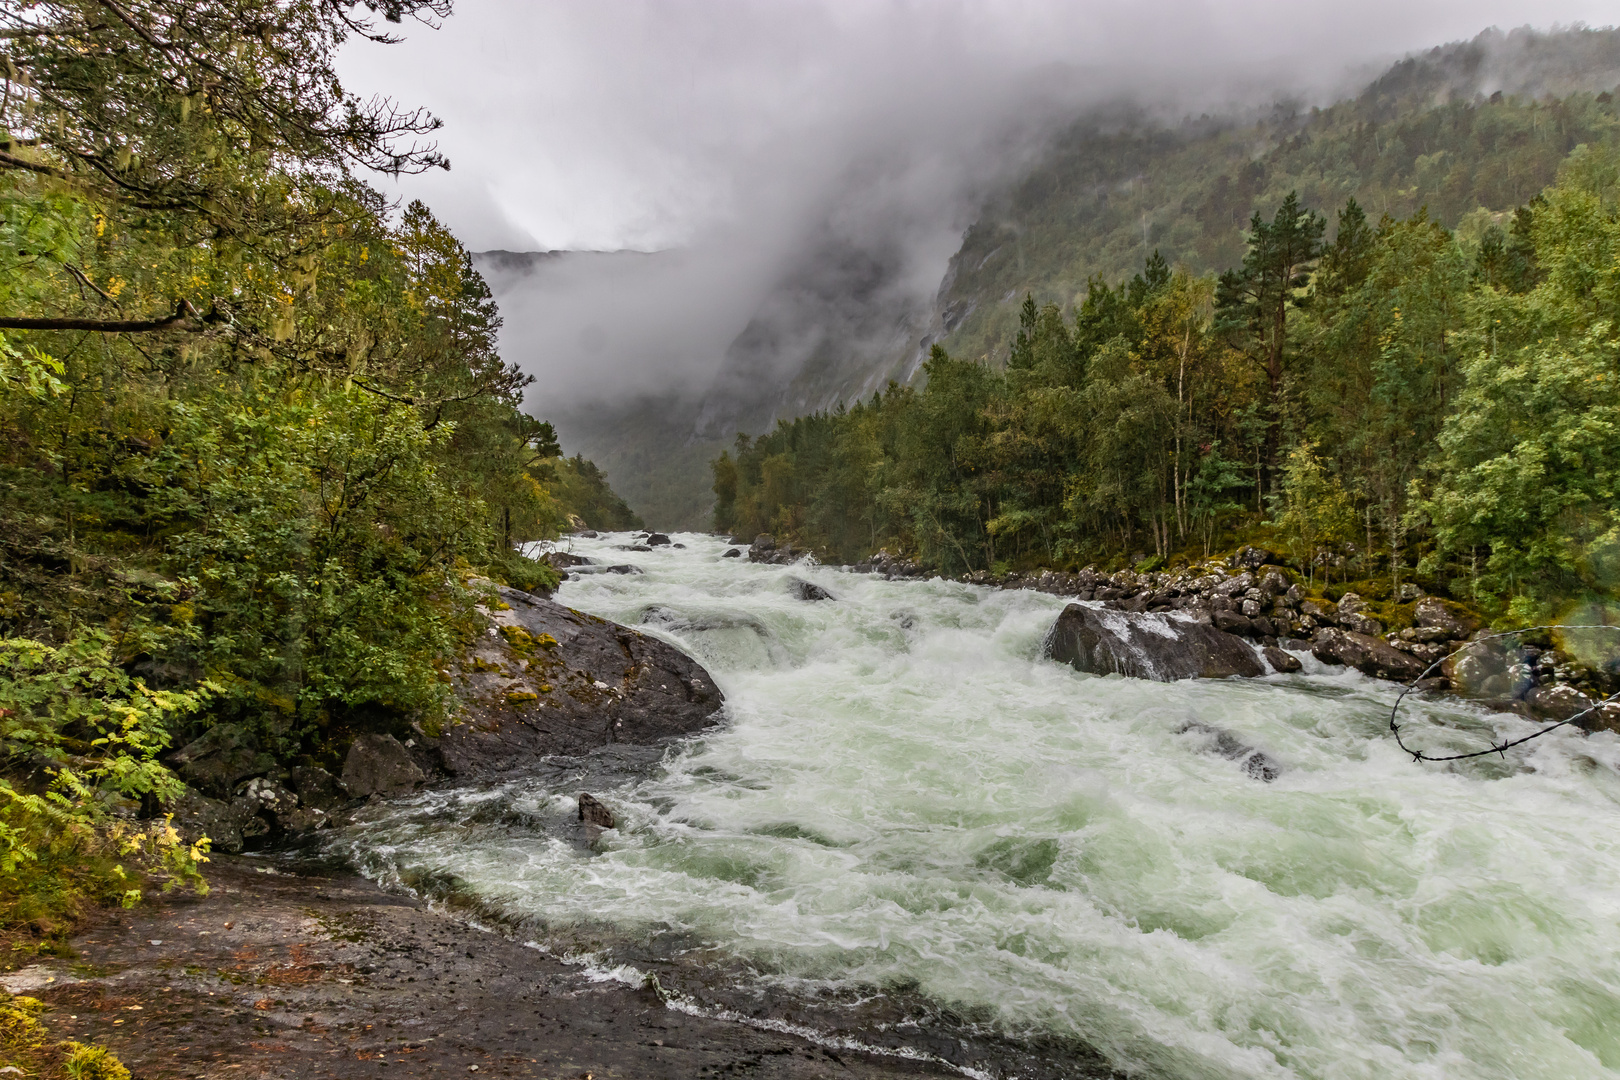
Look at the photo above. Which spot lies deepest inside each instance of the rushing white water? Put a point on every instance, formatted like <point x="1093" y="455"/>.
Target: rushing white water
<point x="904" y="793"/>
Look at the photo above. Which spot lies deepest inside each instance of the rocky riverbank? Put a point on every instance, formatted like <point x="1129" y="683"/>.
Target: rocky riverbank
<point x="540" y="680"/>
<point x="1438" y="644"/>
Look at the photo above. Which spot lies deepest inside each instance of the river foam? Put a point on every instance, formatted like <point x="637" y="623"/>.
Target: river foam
<point x="904" y="793"/>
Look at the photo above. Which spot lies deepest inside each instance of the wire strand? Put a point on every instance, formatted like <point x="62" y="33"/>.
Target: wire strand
<point x="1419" y="755"/>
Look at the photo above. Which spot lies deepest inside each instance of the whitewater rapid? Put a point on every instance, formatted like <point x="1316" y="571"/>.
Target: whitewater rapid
<point x="904" y="794"/>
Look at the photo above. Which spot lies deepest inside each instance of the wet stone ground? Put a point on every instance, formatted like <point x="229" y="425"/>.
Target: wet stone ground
<point x="275" y="974"/>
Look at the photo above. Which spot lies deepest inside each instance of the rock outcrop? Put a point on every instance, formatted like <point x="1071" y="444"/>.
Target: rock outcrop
<point x="1142" y="646"/>
<point x="1245" y="597"/>
<point x="545" y="679"/>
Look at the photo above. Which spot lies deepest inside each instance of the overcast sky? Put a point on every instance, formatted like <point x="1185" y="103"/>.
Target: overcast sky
<point x="639" y="123"/>
<point x="740" y="130"/>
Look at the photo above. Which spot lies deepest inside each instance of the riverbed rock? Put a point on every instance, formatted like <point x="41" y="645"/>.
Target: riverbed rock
<point x="889" y="565"/>
<point x="1557" y="702"/>
<point x="1147" y="646"/>
<point x="1488" y="670"/>
<point x="1369" y="655"/>
<point x="1435" y="615"/>
<point x="1252" y="558"/>
<point x="809" y="590"/>
<point x="1358" y="623"/>
<point x="1233" y="622"/>
<point x="1281" y="661"/>
<point x="378" y="765"/>
<point x="593" y="813"/>
<point x="658" y="540"/>
<point x="732" y="553"/>
<point x="544" y="679"/>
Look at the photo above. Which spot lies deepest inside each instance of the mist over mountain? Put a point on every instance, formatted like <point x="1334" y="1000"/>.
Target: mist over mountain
<point x="907" y="251"/>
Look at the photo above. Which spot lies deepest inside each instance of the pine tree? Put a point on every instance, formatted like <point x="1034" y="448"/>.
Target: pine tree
<point x="1252" y="302"/>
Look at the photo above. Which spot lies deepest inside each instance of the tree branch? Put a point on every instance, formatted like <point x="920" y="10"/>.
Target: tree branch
<point x="11" y="161"/>
<point x="84" y="280"/>
<point x="182" y="311"/>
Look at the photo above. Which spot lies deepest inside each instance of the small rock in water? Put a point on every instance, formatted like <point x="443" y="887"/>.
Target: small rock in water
<point x="624" y="568"/>
<point x="732" y="553"/>
<point x="1229" y="746"/>
<point x="593" y="813"/>
<point x="657" y="539"/>
<point x="809" y="590"/>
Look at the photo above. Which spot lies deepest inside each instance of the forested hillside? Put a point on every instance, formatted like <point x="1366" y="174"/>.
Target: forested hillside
<point x="257" y="440"/>
<point x="1424" y="135"/>
<point x="1379" y="396"/>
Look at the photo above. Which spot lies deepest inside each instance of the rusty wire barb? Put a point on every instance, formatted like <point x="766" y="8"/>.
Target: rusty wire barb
<point x="1419" y="755"/>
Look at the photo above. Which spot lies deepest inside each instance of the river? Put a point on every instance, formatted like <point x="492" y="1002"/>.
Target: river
<point x="905" y="797"/>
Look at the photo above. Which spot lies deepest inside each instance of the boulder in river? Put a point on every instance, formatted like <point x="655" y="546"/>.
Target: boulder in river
<point x="732" y="553"/>
<point x="1147" y="646"/>
<point x="658" y="540"/>
<point x="544" y="679"/>
<point x="1216" y="740"/>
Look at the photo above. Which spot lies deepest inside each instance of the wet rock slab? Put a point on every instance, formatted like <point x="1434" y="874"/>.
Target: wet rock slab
<point x="291" y="975"/>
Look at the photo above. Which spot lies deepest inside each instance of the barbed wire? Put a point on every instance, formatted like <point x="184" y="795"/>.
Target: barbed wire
<point x="1419" y="755"/>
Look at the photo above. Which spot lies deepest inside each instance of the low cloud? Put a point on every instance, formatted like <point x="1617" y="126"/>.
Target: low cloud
<point x="732" y="137"/>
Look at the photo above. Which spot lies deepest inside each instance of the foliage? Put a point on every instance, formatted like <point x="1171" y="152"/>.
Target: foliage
<point x="1531" y="453"/>
<point x="255" y="431"/>
<point x="583" y="494"/>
